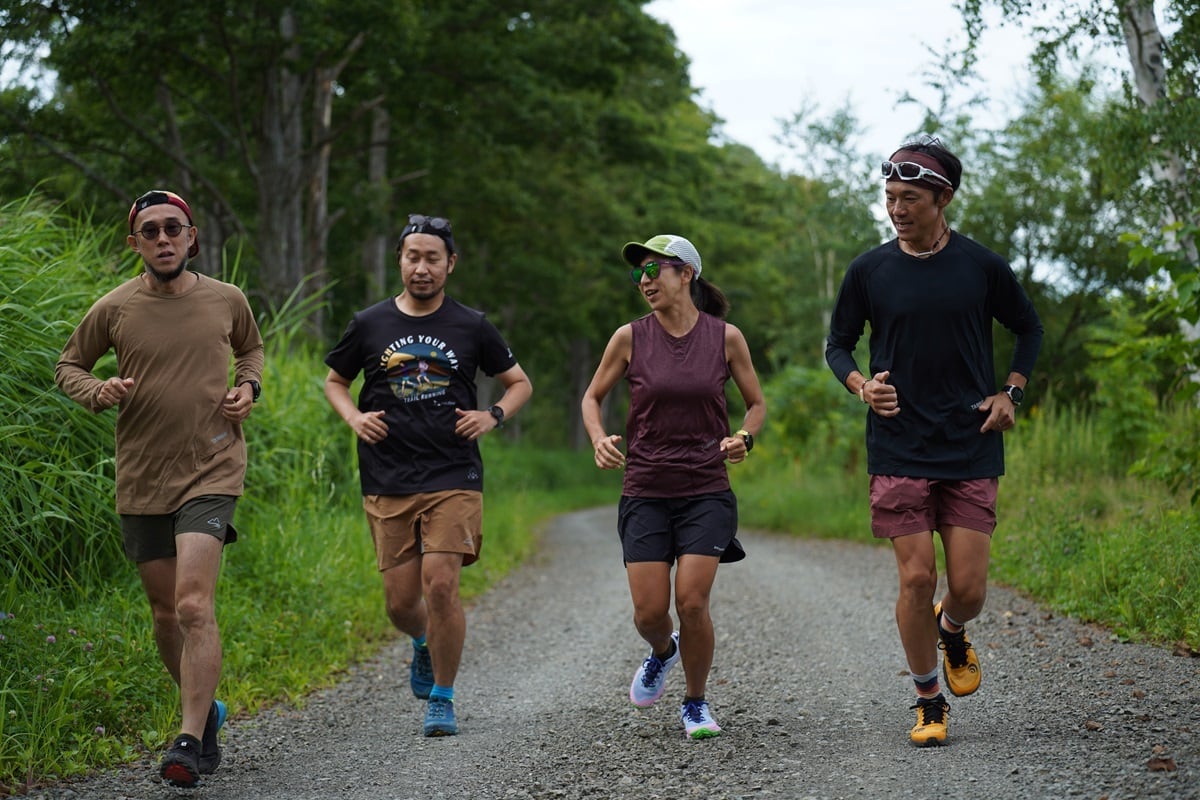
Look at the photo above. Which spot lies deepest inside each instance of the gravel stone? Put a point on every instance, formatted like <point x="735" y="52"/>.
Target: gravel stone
<point x="809" y="683"/>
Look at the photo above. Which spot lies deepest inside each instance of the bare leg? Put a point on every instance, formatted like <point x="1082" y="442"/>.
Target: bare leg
<point x="197" y="565"/>
<point x="693" y="587"/>
<point x="650" y="590"/>
<point x="967" y="555"/>
<point x="447" y="626"/>
<point x="917" y="565"/>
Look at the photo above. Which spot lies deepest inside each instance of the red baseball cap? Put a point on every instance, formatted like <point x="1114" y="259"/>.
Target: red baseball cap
<point x="156" y="197"/>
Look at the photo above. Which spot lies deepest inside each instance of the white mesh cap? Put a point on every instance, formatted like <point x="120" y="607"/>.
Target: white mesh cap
<point x="665" y="244"/>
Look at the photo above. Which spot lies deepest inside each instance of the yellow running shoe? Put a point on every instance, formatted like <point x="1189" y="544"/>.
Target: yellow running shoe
<point x="960" y="665"/>
<point x="933" y="715"/>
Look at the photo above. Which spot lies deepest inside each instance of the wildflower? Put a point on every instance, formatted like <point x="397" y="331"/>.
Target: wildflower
<point x="88" y="646"/>
<point x="72" y="631"/>
<point x="99" y="730"/>
<point x="50" y="639"/>
<point x="2" y="637"/>
<point x="12" y="713"/>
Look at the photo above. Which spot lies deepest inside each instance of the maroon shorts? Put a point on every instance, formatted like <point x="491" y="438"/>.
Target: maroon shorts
<point x="901" y="506"/>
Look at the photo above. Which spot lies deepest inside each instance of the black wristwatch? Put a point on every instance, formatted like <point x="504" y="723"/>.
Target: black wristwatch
<point x="1015" y="393"/>
<point x="255" y="388"/>
<point x="747" y="437"/>
<point x="498" y="413"/>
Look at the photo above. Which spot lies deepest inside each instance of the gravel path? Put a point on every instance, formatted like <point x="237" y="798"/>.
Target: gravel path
<point x="810" y="708"/>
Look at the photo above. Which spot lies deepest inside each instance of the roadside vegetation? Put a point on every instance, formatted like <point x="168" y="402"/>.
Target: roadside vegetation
<point x="81" y="686"/>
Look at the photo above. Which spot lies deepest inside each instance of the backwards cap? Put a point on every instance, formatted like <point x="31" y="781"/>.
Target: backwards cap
<point x="156" y="197"/>
<point x="665" y="244"/>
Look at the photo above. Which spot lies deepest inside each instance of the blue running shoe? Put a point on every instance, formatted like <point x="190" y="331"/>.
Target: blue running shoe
<point x="420" y="672"/>
<point x="439" y="718"/>
<point x="698" y="720"/>
<point x="650" y="681"/>
<point x="210" y="752"/>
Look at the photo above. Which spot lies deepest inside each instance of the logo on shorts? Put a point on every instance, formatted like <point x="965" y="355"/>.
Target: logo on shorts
<point x="214" y="523"/>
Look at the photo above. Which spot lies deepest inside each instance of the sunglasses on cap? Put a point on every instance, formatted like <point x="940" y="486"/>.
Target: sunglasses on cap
<point x="150" y="231"/>
<point x="911" y="171"/>
<point x="651" y="269"/>
<point x="419" y="223"/>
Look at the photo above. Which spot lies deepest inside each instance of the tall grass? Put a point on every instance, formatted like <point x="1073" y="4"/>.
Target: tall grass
<point x="299" y="600"/>
<point x="1075" y="529"/>
<point x="56" y="465"/>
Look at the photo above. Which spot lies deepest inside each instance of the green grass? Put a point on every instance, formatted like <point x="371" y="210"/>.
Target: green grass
<point x="299" y="600"/>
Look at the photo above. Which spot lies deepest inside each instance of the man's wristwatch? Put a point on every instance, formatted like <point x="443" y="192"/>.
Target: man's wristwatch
<point x="255" y="388"/>
<point x="747" y="437"/>
<point x="1015" y="393"/>
<point x="498" y="413"/>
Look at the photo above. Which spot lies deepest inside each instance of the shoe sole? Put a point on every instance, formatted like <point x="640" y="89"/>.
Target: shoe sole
<point x="431" y="732"/>
<point x="937" y="609"/>
<point x="704" y="733"/>
<point x="956" y="692"/>
<point x="178" y="774"/>
<point x="930" y="742"/>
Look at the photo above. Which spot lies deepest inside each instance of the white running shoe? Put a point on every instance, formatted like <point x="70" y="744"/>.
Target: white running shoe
<point x="698" y="720"/>
<point x="650" y="681"/>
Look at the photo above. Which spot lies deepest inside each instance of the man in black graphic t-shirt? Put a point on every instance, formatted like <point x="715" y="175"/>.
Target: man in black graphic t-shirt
<point x="419" y="461"/>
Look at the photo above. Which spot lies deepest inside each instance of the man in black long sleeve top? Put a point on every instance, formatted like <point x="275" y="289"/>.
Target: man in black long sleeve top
<point x="935" y="421"/>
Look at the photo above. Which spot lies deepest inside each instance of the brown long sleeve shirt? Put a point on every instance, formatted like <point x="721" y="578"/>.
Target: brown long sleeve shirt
<point x="173" y="444"/>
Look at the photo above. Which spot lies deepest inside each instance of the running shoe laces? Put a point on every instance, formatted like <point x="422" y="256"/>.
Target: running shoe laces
<point x="650" y="681"/>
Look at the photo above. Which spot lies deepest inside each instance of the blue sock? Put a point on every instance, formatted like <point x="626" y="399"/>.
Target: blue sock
<point x="419" y="643"/>
<point x="443" y="692"/>
<point x="927" y="685"/>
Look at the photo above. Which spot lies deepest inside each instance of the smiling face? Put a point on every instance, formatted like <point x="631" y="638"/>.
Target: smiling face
<point x="915" y="212"/>
<point x="165" y="256"/>
<point x="670" y="287"/>
<point x="425" y="263"/>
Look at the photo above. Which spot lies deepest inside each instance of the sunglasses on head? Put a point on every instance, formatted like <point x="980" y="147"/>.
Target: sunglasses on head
<point x="911" y="171"/>
<point x="150" y="231"/>
<point x="419" y="223"/>
<point x="651" y="269"/>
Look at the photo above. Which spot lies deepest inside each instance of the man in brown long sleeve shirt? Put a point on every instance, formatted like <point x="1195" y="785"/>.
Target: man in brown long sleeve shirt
<point x="181" y="455"/>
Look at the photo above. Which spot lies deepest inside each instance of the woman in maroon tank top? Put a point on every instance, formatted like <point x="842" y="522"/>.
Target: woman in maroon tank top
<point x="676" y="507"/>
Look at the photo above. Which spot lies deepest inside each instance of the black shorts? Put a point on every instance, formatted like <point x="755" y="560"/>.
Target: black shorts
<point x="662" y="529"/>
<point x="148" y="537"/>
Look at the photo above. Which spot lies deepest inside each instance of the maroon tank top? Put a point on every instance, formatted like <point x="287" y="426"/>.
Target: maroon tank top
<point x="677" y="414"/>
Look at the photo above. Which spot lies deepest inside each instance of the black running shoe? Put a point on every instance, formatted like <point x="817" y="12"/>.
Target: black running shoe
<point x="210" y="751"/>
<point x="181" y="764"/>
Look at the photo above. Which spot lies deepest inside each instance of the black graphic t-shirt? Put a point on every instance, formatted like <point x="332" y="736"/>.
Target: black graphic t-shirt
<point x="418" y="370"/>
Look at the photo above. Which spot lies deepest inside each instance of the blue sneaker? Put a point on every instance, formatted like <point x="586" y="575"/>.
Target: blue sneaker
<point x="650" y="681"/>
<point x="420" y="672"/>
<point x="439" y="718"/>
<point x="210" y="752"/>
<point x="698" y="720"/>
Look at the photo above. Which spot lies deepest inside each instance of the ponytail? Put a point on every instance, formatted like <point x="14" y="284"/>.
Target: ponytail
<point x="709" y="299"/>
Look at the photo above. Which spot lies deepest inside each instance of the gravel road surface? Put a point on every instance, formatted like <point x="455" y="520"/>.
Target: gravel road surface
<point x="809" y="683"/>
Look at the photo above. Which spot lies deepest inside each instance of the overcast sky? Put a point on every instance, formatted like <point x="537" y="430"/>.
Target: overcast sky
<point x="756" y="61"/>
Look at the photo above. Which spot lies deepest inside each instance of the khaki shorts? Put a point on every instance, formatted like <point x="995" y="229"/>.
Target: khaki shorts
<point x="404" y="527"/>
<point x="148" y="537"/>
<point x="901" y="506"/>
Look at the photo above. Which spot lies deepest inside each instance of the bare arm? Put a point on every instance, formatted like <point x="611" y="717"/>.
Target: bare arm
<point x="741" y="366"/>
<point x="612" y="367"/>
<point x="517" y="391"/>
<point x="369" y="426"/>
